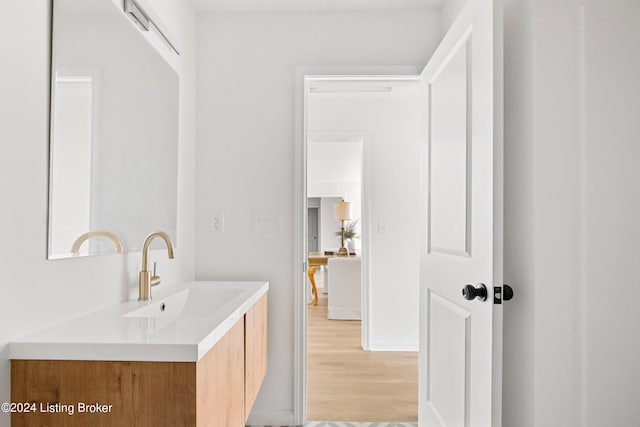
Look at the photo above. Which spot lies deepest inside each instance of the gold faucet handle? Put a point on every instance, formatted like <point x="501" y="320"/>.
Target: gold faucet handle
<point x="155" y="279"/>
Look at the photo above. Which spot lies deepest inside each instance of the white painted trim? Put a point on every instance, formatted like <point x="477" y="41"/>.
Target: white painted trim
<point x="582" y="314"/>
<point x="299" y="248"/>
<point x="153" y="37"/>
<point x="365" y="246"/>
<point x="394" y="346"/>
<point x="337" y="135"/>
<point x="390" y="74"/>
<point x="355" y="84"/>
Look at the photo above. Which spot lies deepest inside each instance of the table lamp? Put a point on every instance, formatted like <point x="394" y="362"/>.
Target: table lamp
<point x="343" y="213"/>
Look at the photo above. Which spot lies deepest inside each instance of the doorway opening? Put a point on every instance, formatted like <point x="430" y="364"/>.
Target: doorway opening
<point x="377" y="223"/>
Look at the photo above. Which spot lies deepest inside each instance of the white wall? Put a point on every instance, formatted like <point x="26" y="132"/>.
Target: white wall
<point x="542" y="213"/>
<point x="519" y="233"/>
<point x="329" y="224"/>
<point x="450" y="10"/>
<point x="556" y="107"/>
<point x="245" y="159"/>
<point x="393" y="123"/>
<point x="610" y="180"/>
<point x="335" y="169"/>
<point x="36" y="293"/>
<point x="572" y="99"/>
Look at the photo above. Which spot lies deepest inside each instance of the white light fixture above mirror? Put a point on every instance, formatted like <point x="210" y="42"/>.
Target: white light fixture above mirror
<point x="144" y="18"/>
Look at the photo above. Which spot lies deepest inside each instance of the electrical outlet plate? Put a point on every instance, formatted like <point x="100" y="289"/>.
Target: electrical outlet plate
<point x="217" y="223"/>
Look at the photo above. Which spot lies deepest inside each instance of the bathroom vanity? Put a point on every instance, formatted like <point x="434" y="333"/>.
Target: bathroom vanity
<point x="195" y="356"/>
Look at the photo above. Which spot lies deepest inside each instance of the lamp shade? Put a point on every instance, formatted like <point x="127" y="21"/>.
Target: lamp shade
<point x="342" y="210"/>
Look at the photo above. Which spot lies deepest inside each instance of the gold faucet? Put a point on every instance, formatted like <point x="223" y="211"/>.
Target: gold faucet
<point x="147" y="280"/>
<point x="75" y="248"/>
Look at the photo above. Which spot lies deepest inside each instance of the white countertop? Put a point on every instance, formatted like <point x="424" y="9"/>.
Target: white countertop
<point x="109" y="334"/>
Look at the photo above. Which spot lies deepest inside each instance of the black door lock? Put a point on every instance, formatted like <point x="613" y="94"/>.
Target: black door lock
<point x="502" y="293"/>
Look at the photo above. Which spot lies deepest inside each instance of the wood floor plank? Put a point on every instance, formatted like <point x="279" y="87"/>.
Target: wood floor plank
<point x="347" y="383"/>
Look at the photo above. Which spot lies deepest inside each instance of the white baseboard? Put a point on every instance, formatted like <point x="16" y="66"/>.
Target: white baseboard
<point x="394" y="346"/>
<point x="270" y="418"/>
<point x="344" y="313"/>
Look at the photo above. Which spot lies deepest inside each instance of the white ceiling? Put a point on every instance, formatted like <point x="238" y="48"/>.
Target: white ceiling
<point x="309" y="5"/>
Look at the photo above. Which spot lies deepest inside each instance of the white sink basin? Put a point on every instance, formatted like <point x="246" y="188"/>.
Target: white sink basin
<point x="181" y="324"/>
<point x="187" y="303"/>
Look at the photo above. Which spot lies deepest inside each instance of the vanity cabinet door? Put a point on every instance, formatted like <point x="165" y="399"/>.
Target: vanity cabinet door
<point x="81" y="393"/>
<point x="220" y="382"/>
<point x="255" y="352"/>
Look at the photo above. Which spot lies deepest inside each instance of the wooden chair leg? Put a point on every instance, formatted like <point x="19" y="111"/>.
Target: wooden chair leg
<point x="311" y="271"/>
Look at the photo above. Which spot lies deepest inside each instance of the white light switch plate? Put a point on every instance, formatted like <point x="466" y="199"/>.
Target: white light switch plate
<point x="267" y="221"/>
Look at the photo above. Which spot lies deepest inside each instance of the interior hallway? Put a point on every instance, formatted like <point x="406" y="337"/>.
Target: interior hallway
<point x="347" y="383"/>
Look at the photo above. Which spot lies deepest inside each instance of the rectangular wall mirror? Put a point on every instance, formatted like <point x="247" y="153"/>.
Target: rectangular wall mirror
<point x="114" y="133"/>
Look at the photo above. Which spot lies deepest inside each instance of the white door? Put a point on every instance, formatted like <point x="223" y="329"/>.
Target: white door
<point x="460" y="340"/>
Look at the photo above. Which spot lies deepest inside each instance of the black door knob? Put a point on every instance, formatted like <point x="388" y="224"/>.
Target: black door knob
<point x="470" y="293"/>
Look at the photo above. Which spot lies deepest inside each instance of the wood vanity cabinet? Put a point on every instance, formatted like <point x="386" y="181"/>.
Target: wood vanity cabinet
<point x="217" y="391"/>
<point x="255" y="344"/>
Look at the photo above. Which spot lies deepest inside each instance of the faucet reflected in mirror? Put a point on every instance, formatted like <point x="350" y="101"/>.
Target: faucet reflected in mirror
<point x="75" y="248"/>
<point x="146" y="279"/>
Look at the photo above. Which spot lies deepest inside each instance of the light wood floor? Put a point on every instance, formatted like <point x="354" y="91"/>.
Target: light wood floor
<point x="347" y="383"/>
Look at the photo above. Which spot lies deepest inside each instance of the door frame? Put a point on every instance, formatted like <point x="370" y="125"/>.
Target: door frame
<point x="327" y="75"/>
